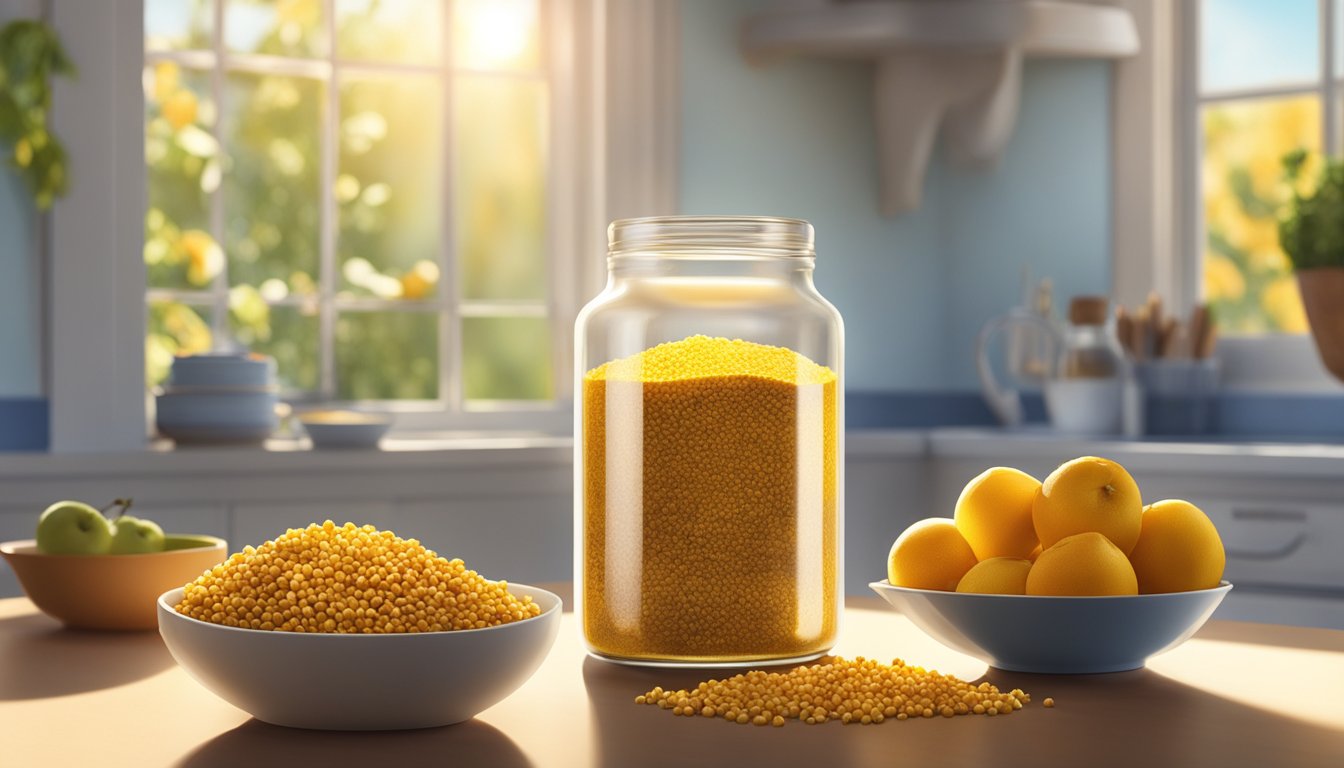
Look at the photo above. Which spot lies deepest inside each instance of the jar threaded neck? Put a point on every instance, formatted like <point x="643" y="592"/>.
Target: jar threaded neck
<point x="743" y="237"/>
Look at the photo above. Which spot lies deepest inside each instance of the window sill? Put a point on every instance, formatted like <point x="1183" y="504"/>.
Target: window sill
<point x="287" y="455"/>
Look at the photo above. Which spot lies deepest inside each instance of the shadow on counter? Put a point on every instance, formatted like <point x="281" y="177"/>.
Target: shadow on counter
<point x="43" y="660"/>
<point x="255" y="743"/>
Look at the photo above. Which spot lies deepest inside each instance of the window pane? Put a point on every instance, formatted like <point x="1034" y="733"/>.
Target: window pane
<point x="387" y="356"/>
<point x="1254" y="43"/>
<point x="173" y="329"/>
<point x="1247" y="278"/>
<point x="271" y="207"/>
<point x="507" y="358"/>
<point x="182" y="167"/>
<point x="389" y="188"/>
<point x="178" y="24"/>
<point x="287" y="333"/>
<point x="404" y="31"/>
<point x="500" y="187"/>
<point x="275" y="27"/>
<point x="496" y="34"/>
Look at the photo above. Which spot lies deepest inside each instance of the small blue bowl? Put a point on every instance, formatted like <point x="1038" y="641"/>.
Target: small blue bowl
<point x="1056" y="635"/>
<point x="345" y="429"/>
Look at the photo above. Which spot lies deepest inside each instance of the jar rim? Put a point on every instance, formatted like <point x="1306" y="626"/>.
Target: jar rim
<point x="711" y="236"/>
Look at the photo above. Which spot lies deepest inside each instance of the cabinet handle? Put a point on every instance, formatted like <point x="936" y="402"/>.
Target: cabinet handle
<point x="1288" y="547"/>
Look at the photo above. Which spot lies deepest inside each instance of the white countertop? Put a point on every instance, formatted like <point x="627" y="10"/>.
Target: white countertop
<point x="1215" y="456"/>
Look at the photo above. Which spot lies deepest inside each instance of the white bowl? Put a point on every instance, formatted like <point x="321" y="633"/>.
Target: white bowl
<point x="345" y="429"/>
<point x="362" y="682"/>
<point x="1056" y="635"/>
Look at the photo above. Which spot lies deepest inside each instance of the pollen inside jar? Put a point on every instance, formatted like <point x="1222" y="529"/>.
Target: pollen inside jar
<point x="709" y="494"/>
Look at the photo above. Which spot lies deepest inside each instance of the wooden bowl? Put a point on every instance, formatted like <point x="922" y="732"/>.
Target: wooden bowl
<point x="116" y="592"/>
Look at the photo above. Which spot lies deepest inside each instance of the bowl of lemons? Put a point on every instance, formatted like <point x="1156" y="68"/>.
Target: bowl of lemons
<point x="1072" y="575"/>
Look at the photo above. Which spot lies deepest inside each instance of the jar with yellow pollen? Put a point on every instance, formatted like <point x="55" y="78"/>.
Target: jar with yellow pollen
<point x="709" y="482"/>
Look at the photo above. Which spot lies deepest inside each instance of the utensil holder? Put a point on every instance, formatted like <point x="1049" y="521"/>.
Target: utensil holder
<point x="1180" y="396"/>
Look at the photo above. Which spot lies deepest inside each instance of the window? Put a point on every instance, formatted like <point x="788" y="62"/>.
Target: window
<point x="362" y="189"/>
<point x="1267" y="80"/>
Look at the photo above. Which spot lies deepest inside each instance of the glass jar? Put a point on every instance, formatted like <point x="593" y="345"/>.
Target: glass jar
<point x="1086" y="392"/>
<point x="708" y="480"/>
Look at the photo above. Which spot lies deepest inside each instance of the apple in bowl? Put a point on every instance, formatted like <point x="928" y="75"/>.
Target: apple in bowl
<point x="90" y="571"/>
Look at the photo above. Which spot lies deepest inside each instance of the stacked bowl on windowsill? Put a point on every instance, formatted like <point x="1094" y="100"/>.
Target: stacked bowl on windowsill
<point x="218" y="398"/>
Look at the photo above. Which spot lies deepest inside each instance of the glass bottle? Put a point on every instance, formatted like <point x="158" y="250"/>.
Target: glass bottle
<point x="1085" y="393"/>
<point x="709" y="430"/>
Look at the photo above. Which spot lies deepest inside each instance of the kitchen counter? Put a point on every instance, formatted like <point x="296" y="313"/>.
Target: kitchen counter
<point x="1208" y="455"/>
<point x="1236" y="694"/>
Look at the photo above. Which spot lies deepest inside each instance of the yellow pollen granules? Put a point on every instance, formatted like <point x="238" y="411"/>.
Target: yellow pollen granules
<point x="860" y="692"/>
<point x="347" y="579"/>
<point x="709" y="503"/>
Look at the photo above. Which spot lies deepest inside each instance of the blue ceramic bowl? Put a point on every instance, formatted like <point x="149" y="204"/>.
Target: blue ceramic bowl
<point x="222" y="370"/>
<point x="345" y="429"/>
<point x="1056" y="635"/>
<point x="238" y="416"/>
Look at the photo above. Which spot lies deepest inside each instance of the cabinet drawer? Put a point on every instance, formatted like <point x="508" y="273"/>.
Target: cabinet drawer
<point x="1280" y="543"/>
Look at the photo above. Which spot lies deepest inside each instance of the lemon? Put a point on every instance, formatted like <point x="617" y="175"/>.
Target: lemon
<point x="1178" y="550"/>
<point x="1088" y="494"/>
<point x="997" y="576"/>
<point x="1082" y="564"/>
<point x="931" y="554"/>
<point x="993" y="513"/>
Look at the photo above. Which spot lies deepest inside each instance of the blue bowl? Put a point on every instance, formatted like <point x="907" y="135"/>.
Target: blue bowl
<point x="345" y="429"/>
<point x="1056" y="635"/>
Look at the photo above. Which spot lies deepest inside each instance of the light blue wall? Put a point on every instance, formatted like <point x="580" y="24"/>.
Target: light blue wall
<point x="795" y="138"/>
<point x="1047" y="206"/>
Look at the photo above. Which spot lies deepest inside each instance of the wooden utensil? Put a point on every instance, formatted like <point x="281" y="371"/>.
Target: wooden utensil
<point x="1124" y="330"/>
<point x="1166" y="338"/>
<point x="1142" y="334"/>
<point x="1201" y="332"/>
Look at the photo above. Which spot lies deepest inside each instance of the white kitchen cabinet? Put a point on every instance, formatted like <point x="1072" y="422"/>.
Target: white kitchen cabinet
<point x="886" y="489"/>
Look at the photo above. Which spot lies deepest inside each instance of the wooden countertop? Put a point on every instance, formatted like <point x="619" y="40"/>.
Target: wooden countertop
<point x="1235" y="695"/>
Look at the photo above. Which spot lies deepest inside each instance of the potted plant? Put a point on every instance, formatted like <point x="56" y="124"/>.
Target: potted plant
<point x="1312" y="235"/>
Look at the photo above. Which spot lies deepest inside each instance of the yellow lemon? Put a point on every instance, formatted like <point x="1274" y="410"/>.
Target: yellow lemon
<point x="1179" y="549"/>
<point x="180" y="109"/>
<point x="997" y="576"/>
<point x="1082" y="564"/>
<point x="931" y="554"/>
<point x="1088" y="494"/>
<point x="993" y="513"/>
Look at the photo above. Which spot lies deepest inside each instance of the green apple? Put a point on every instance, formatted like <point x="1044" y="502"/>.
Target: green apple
<point x="73" y="528"/>
<point x="135" y="536"/>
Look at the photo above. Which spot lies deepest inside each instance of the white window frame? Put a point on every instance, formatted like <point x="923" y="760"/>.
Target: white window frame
<point x="614" y="113"/>
<point x="1157" y="222"/>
